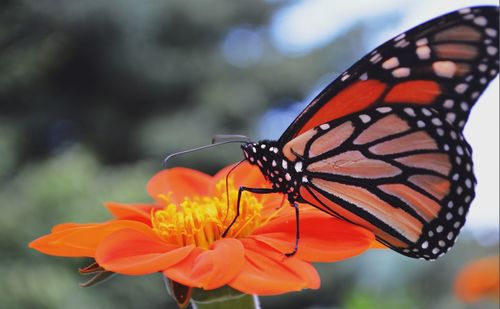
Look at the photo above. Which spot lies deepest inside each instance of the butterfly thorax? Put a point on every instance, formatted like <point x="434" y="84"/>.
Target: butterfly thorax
<point x="284" y="175"/>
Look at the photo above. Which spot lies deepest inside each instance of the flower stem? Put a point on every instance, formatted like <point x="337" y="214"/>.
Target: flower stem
<point x="224" y="297"/>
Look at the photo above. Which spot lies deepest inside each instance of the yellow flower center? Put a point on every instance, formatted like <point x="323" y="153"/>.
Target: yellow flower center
<point x="201" y="220"/>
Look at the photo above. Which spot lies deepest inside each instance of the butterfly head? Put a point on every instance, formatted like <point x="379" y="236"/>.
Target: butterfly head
<point x="261" y="154"/>
<point x="268" y="156"/>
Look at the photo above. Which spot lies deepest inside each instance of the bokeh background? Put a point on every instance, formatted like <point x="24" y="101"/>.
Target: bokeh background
<point x="94" y="94"/>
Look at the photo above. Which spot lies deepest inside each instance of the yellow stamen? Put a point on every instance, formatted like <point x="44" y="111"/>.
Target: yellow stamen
<point x="201" y="220"/>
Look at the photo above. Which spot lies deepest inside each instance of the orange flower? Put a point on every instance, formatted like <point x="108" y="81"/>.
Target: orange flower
<point x="479" y="279"/>
<point x="181" y="235"/>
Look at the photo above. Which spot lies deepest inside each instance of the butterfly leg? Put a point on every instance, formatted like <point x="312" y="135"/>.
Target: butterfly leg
<point x="297" y="231"/>
<point x="240" y="191"/>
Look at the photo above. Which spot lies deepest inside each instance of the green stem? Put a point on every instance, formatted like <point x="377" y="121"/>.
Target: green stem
<point x="224" y="297"/>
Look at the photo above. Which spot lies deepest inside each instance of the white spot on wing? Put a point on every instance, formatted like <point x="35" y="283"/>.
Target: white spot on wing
<point x="365" y="118"/>
<point x="402" y="44"/>
<point x="491" y="32"/>
<point x="410" y="111"/>
<point x="436" y="121"/>
<point x="298" y="166"/>
<point x="444" y="68"/>
<point x="399" y="37"/>
<point x="461" y="88"/>
<point x="480" y="21"/>
<point x="422" y="41"/>
<point x="491" y="50"/>
<point x="401" y="72"/>
<point x="324" y="126"/>
<point x="390" y="63"/>
<point x="448" y="103"/>
<point x="450" y="117"/>
<point x="423" y="52"/>
<point x="375" y="58"/>
<point x="384" y="109"/>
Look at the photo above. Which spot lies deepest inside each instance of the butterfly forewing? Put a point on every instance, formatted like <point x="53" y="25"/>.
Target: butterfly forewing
<point x="443" y="63"/>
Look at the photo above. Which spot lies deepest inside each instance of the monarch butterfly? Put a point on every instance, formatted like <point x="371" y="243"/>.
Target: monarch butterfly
<point x="382" y="145"/>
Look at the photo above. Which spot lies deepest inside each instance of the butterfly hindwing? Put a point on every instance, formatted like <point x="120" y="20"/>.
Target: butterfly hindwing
<point x="442" y="63"/>
<point x="398" y="170"/>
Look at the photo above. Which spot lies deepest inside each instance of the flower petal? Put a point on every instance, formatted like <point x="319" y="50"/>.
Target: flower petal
<point x="180" y="183"/>
<point x="323" y="238"/>
<point x="244" y="175"/>
<point x="134" y="212"/>
<point x="136" y="252"/>
<point x="378" y="245"/>
<point x="69" y="225"/>
<point x="79" y="240"/>
<point x="250" y="176"/>
<point x="267" y="272"/>
<point x="479" y="279"/>
<point x="212" y="268"/>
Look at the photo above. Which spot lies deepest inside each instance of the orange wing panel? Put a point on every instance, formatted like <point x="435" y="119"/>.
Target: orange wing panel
<point x="331" y="140"/>
<point x="354" y="98"/>
<point x="386" y="126"/>
<point x="419" y="140"/>
<point x="437" y="186"/>
<point x="347" y="215"/>
<point x="439" y="162"/>
<point x="418" y="92"/>
<point x="353" y="163"/>
<point x="401" y="221"/>
<point x="423" y="205"/>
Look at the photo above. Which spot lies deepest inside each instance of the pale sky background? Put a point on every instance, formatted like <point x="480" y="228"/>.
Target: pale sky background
<point x="309" y="24"/>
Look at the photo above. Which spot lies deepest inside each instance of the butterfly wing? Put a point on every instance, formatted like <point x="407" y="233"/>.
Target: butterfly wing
<point x="443" y="63"/>
<point x="382" y="145"/>
<point x="400" y="171"/>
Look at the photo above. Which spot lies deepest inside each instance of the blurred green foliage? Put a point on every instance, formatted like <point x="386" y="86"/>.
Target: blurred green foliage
<point x="94" y="93"/>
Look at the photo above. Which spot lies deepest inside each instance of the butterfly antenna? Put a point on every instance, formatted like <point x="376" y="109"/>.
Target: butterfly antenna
<point x="227" y="186"/>
<point x="222" y="137"/>
<point x="165" y="161"/>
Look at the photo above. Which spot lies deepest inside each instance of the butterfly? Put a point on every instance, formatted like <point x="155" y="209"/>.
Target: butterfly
<point x="382" y="145"/>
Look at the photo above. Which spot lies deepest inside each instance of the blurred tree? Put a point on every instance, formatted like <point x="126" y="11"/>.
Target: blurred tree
<point x="97" y="71"/>
<point x="94" y="93"/>
<point x="125" y="78"/>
